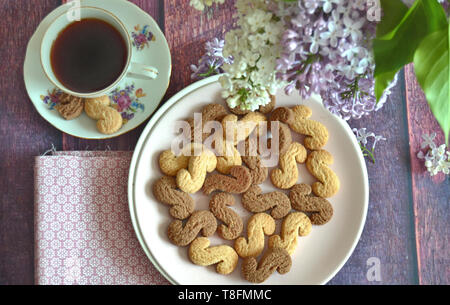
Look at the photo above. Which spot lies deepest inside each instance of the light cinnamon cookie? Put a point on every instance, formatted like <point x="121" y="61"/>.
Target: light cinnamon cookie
<point x="295" y="224"/>
<point x="258" y="226"/>
<point x="236" y="130"/>
<point x="316" y="133"/>
<point x="317" y="164"/>
<point x="229" y="158"/>
<point x="170" y="163"/>
<point x="224" y="256"/>
<point x="110" y="121"/>
<point x="287" y="175"/>
<point x="94" y="106"/>
<point x="191" y="180"/>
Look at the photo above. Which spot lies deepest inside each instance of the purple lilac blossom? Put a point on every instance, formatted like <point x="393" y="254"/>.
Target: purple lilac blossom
<point x="212" y="61"/>
<point x="327" y="51"/>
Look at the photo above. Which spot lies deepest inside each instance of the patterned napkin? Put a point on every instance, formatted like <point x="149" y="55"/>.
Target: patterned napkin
<point x="83" y="230"/>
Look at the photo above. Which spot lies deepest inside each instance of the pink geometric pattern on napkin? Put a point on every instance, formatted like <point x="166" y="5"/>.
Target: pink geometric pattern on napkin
<point x="83" y="230"/>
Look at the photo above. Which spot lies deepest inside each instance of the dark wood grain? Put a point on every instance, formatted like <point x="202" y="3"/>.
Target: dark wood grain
<point x="388" y="233"/>
<point x="23" y="135"/>
<point x="187" y="30"/>
<point x="431" y="195"/>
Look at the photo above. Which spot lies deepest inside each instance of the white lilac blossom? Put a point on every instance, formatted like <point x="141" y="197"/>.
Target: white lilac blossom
<point x="363" y="138"/>
<point x="437" y="158"/>
<point x="255" y="46"/>
<point x="212" y="61"/>
<point x="201" y="4"/>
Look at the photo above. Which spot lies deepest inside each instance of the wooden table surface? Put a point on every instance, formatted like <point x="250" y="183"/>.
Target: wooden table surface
<point x="407" y="222"/>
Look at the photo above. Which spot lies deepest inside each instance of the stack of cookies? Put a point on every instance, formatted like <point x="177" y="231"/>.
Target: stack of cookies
<point x="297" y="206"/>
<point x="109" y="120"/>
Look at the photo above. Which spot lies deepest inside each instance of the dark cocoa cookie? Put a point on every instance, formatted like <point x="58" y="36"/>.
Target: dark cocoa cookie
<point x="255" y="202"/>
<point x="258" y="172"/>
<point x="253" y="161"/>
<point x="211" y="112"/>
<point x="319" y="209"/>
<point x="233" y="223"/>
<point x="165" y="191"/>
<point x="199" y="221"/>
<point x="284" y="138"/>
<point x="195" y="128"/>
<point x="238" y="111"/>
<point x="283" y="114"/>
<point x="70" y="107"/>
<point x="274" y="259"/>
<point x="270" y="106"/>
<point x="237" y="184"/>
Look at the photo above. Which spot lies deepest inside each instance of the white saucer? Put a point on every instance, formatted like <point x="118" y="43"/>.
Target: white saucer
<point x="136" y="99"/>
<point x="318" y="257"/>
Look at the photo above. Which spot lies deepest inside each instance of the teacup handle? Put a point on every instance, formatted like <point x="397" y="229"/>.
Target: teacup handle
<point x="142" y="71"/>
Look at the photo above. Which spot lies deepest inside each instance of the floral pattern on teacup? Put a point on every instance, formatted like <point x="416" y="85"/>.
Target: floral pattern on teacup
<point x="142" y="37"/>
<point x="128" y="101"/>
<point x="52" y="98"/>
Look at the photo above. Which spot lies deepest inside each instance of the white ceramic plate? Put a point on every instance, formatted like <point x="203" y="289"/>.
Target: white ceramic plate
<point x="318" y="256"/>
<point x="136" y="99"/>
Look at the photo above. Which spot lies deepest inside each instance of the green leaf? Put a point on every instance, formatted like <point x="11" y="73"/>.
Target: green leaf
<point x="431" y="64"/>
<point x="396" y="48"/>
<point x="394" y="10"/>
<point x="382" y="81"/>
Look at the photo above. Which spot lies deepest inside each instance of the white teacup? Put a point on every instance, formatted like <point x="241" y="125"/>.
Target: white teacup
<point x="131" y="69"/>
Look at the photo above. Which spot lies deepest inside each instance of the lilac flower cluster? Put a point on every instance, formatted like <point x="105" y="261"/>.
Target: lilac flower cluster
<point x="327" y="51"/>
<point x="363" y="136"/>
<point x="212" y="61"/>
<point x="436" y="158"/>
